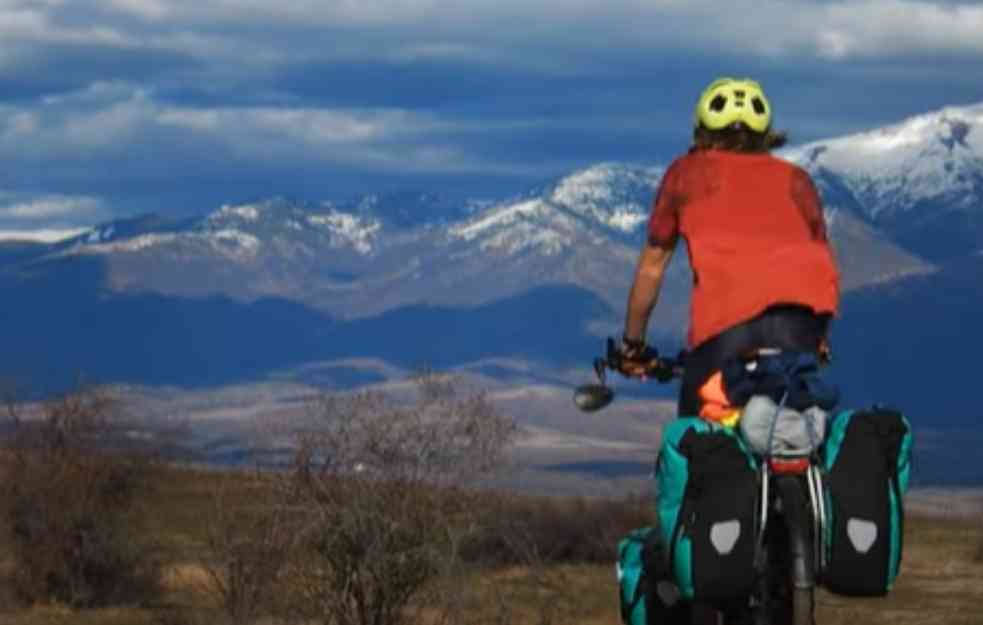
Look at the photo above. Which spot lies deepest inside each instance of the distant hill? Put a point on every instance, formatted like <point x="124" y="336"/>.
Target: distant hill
<point x="917" y="343"/>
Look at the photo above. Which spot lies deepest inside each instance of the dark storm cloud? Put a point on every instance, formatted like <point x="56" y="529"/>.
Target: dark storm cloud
<point x="63" y="68"/>
<point x="181" y="104"/>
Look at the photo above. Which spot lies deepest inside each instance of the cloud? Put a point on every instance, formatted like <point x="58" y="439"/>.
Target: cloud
<point x="478" y="29"/>
<point x="22" y="22"/>
<point x="173" y="101"/>
<point x="148" y="9"/>
<point x="42" y="235"/>
<point x="227" y="36"/>
<point x="48" y="217"/>
<point x="51" y="207"/>
<point x="881" y="27"/>
<point x="257" y="51"/>
<point x="124" y="124"/>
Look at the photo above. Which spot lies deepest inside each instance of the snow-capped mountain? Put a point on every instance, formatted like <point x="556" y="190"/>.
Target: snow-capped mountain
<point x="272" y="248"/>
<point x="615" y="195"/>
<point x="374" y="253"/>
<point x="367" y="256"/>
<point x="920" y="181"/>
<point x="607" y="200"/>
<point x="239" y="230"/>
<point x="404" y="210"/>
<point x="253" y="289"/>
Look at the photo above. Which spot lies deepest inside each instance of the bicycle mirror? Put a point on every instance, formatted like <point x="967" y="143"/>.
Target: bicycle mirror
<point x="591" y="397"/>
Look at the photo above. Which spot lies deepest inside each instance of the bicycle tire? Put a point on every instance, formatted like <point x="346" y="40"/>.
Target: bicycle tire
<point x="797" y="568"/>
<point x="803" y="606"/>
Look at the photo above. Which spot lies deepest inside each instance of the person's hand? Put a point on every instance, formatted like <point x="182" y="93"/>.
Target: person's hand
<point x="632" y="358"/>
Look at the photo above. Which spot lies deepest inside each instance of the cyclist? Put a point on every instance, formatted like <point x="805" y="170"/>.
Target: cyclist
<point x="763" y="271"/>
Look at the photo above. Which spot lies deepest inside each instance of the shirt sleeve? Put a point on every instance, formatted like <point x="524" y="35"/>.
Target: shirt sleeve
<point x="806" y="198"/>
<point x="663" y="228"/>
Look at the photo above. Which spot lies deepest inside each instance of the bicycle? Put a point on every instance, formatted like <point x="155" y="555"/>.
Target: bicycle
<point x="789" y="554"/>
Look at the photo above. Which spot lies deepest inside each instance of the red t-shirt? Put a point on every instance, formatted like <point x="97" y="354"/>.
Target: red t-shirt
<point x="754" y="228"/>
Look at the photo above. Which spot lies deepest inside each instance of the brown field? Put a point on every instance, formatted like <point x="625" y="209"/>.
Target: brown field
<point x="941" y="581"/>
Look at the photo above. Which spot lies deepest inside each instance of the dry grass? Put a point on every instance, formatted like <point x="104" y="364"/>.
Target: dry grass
<point x="941" y="583"/>
<point x="941" y="580"/>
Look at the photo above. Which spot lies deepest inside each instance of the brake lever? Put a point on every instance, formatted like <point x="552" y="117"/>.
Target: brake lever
<point x="600" y="370"/>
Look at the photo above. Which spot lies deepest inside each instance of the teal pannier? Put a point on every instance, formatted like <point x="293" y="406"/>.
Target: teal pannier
<point x="645" y="591"/>
<point x="707" y="501"/>
<point x="867" y="463"/>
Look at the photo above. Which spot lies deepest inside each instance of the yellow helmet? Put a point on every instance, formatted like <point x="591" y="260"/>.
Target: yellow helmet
<point x="730" y="100"/>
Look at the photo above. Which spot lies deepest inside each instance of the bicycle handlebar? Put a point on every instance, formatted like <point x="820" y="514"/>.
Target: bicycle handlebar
<point x="661" y="368"/>
<point x="591" y="397"/>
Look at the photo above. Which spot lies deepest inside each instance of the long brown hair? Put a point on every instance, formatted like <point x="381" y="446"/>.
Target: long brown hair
<point x="737" y="138"/>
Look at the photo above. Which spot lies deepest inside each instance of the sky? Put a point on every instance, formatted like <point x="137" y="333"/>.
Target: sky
<point x="112" y="108"/>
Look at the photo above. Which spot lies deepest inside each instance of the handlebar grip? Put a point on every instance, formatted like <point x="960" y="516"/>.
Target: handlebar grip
<point x="662" y="369"/>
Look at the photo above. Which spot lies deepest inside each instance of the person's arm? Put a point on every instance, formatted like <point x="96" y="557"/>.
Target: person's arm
<point x="644" y="294"/>
<point x="663" y="232"/>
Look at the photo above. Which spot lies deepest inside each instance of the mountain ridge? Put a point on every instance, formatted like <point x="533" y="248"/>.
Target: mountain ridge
<point x="377" y="267"/>
<point x="920" y="180"/>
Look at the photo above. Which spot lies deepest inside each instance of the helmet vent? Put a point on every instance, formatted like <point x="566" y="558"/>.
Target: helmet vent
<point x="718" y="103"/>
<point x="759" y="106"/>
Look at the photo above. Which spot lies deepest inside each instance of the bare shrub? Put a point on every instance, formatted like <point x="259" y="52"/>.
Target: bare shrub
<point x="71" y="506"/>
<point x="441" y="438"/>
<point x="378" y="478"/>
<point x="248" y="548"/>
<point x="525" y="530"/>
